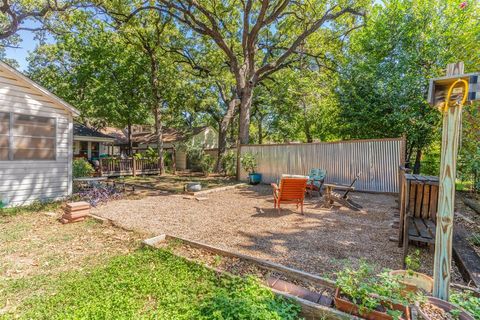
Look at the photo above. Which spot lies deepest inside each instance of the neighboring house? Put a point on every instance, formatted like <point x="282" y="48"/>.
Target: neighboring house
<point x="36" y="138"/>
<point x="90" y="144"/>
<point x="144" y="137"/>
<point x="206" y="137"/>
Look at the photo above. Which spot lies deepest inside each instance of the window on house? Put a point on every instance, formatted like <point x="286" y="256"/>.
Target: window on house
<point x="34" y="137"/>
<point x="4" y="135"/>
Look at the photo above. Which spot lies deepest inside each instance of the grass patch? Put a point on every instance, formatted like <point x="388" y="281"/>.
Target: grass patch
<point x="34" y="207"/>
<point x="150" y="284"/>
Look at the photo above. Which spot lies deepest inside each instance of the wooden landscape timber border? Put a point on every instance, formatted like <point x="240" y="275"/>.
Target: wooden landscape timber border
<point x="467" y="259"/>
<point x="310" y="310"/>
<point x="218" y="189"/>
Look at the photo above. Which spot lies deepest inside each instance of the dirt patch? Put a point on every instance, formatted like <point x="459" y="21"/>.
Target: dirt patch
<point x="321" y="241"/>
<point x="175" y="183"/>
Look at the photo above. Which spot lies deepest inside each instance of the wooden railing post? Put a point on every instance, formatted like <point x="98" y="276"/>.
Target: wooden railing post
<point x="101" y="167"/>
<point x="134" y="167"/>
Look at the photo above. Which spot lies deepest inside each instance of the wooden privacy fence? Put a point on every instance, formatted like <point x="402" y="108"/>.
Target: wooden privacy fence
<point x="378" y="160"/>
<point x="128" y="167"/>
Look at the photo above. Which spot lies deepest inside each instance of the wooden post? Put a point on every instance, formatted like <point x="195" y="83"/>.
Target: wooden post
<point x="134" y="166"/>
<point x="101" y="167"/>
<point x="239" y="153"/>
<point x="452" y="120"/>
<point x="174" y="160"/>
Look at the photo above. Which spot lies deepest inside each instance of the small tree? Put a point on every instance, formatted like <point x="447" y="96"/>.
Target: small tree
<point x="249" y="162"/>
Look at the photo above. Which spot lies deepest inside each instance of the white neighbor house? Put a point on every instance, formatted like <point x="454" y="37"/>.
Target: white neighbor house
<point x="36" y="137"/>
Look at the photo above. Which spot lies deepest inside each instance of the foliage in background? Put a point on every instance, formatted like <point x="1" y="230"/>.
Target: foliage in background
<point x="207" y="161"/>
<point x="229" y="163"/>
<point x="384" y="77"/>
<point x="155" y="284"/>
<point x="469" y="154"/>
<point x="249" y="162"/>
<point x="82" y="168"/>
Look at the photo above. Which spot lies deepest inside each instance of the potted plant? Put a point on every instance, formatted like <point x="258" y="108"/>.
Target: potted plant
<point x="359" y="292"/>
<point x="249" y="164"/>
<point x="410" y="278"/>
<point x="431" y="308"/>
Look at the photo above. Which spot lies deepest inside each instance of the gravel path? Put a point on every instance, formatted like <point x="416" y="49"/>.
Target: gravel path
<point x="320" y="241"/>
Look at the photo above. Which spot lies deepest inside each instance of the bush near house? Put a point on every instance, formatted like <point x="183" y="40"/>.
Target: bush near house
<point x="82" y="168"/>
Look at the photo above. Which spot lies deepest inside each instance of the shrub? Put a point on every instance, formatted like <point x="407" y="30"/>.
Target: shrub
<point x="249" y="162"/>
<point x="229" y="163"/>
<point x="82" y="168"/>
<point x="207" y="163"/>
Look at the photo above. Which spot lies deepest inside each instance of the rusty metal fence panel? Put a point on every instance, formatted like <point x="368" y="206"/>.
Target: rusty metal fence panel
<point x="377" y="160"/>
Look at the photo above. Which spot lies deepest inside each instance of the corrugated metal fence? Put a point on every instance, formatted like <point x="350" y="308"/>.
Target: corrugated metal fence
<point x="378" y="161"/>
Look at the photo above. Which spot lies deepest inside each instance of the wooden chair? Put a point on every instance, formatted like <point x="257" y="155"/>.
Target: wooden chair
<point x="331" y="196"/>
<point x="316" y="178"/>
<point x="291" y="190"/>
<point x="418" y="210"/>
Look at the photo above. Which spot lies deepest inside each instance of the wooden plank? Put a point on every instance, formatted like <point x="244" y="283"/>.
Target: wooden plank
<point x="452" y="120"/>
<point x="426" y="201"/>
<point x="412" y="195"/>
<point x="468" y="261"/>
<point x="432" y="228"/>
<point x="422" y="228"/>
<point x="433" y="202"/>
<point x="419" y="200"/>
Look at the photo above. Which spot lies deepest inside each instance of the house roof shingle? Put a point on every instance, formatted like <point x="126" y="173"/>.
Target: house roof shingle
<point x="84" y="131"/>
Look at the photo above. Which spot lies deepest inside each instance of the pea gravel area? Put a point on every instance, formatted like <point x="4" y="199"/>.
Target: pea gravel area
<point x="320" y="241"/>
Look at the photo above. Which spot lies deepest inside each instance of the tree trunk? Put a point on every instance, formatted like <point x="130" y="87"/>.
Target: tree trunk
<point x="223" y="131"/>
<point x="418" y="157"/>
<point x="260" y="130"/>
<point x="157" y="104"/>
<point x="246" y="98"/>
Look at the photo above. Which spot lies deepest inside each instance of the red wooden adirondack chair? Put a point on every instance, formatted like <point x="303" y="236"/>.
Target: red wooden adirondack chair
<point x="291" y="190"/>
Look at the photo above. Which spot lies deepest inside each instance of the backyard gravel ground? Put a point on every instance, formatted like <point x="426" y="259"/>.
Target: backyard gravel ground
<point x="243" y="220"/>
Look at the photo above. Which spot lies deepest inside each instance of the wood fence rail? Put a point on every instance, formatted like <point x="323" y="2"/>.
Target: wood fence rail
<point x="110" y="167"/>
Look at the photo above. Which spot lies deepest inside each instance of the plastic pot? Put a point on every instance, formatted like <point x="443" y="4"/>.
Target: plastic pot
<point x="254" y="178"/>
<point x="351" y="308"/>
<point x="413" y="281"/>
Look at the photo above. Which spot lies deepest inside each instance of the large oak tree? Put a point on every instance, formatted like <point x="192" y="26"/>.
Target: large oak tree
<point x="258" y="38"/>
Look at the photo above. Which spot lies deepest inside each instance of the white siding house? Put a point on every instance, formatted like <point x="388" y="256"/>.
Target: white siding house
<point x="36" y="137"/>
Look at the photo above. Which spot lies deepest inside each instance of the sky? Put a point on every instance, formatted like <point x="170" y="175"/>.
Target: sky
<point x="20" y="54"/>
<point x="27" y="45"/>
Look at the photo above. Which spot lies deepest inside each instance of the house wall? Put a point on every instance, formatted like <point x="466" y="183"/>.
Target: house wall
<point x="208" y="138"/>
<point x="22" y="182"/>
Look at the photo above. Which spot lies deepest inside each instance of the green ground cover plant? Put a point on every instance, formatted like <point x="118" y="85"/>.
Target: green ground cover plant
<point x="153" y="284"/>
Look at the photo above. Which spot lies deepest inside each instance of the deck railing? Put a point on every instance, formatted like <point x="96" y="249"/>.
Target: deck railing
<point x="128" y="167"/>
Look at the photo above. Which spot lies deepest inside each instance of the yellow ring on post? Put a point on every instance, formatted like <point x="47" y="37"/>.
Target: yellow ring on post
<point x="450" y="90"/>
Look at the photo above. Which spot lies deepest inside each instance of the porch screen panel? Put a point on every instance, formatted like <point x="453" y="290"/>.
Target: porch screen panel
<point x="34" y="137"/>
<point x="4" y="135"/>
